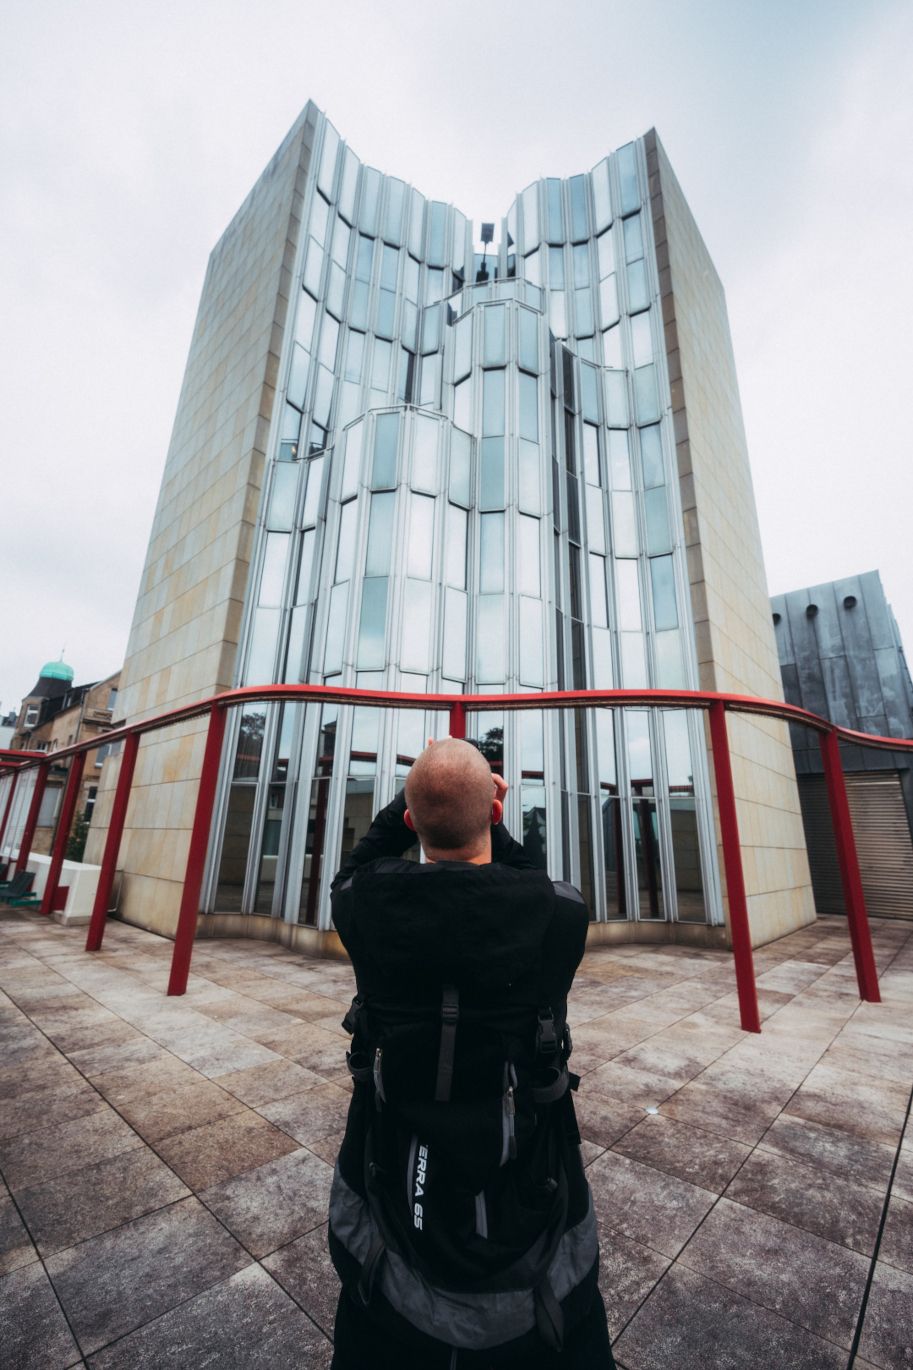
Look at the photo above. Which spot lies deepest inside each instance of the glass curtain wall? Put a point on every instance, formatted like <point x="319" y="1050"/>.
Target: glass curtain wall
<point x="471" y="487"/>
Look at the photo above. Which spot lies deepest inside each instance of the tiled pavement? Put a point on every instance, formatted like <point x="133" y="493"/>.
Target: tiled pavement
<point x="166" y="1162"/>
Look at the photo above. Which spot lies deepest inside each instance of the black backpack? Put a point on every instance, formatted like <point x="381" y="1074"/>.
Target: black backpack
<point x="470" y="1140"/>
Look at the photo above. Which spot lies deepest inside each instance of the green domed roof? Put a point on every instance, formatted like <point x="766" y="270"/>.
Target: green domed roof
<point x="56" y="670"/>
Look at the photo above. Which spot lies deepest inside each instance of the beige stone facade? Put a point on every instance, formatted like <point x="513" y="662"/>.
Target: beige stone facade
<point x="186" y="626"/>
<point x="734" y="634"/>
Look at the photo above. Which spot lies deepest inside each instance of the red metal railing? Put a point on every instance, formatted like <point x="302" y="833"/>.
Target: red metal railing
<point x="457" y="706"/>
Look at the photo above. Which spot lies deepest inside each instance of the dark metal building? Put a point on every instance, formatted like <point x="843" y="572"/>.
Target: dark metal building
<point x="841" y="657"/>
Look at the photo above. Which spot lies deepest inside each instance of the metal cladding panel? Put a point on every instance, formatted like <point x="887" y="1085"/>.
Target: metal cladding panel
<point x="883" y="844"/>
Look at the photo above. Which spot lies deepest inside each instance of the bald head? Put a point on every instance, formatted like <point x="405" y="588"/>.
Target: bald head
<point x="449" y="793"/>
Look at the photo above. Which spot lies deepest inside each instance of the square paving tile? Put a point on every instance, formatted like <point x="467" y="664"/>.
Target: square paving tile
<point x="35" y="1156"/>
<point x="112" y="1284"/>
<point x="48" y="1106"/>
<point x="813" y="1282"/>
<point x="810" y="1198"/>
<point x="730" y="1114"/>
<point x="897" y="1242"/>
<point x="304" y="1269"/>
<point x="858" y="1159"/>
<point x="627" y="1273"/>
<point x="263" y="1084"/>
<point x="147" y="1077"/>
<point x="273" y="1204"/>
<point x="33" y="1331"/>
<point x="95" y="1198"/>
<point x="206" y="1155"/>
<point x="692" y="1323"/>
<point x="246" y="1320"/>
<point x="16" y="1247"/>
<point x="602" y="1119"/>
<point x="172" y="1111"/>
<point x="645" y="1205"/>
<point x="702" y="1158"/>
<point x="51" y="1071"/>
<point x="887" y="1333"/>
<point x="317" y="1112"/>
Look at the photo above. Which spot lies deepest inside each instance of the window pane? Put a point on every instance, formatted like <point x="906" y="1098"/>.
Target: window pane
<point x="393" y="215"/>
<point x="492" y="402"/>
<point x="584" y="323"/>
<point x="557" y="313"/>
<point x="530" y="216"/>
<point x="556" y="268"/>
<point x="529" y="478"/>
<point x="594" y="521"/>
<point x="599" y="607"/>
<point x="633" y="661"/>
<point x="646" y="394"/>
<point x="608" y="301"/>
<point x="323" y="396"/>
<point x="299" y="370"/>
<point x="533" y="268"/>
<point x="529" y="407"/>
<point x="304" y="590"/>
<point x="634" y="238"/>
<point x="605" y="246"/>
<point x="431" y="328"/>
<point x="554" y="210"/>
<point x="619" y="459"/>
<point x="370" y="189"/>
<point x="351" y="474"/>
<point x="355" y="351"/>
<point x="462" y="342"/>
<point x="304" y="319"/>
<point x="529" y="339"/>
<point x="455" y="546"/>
<point x="336" y="629"/>
<point x="638" y="295"/>
<point x="651" y="455"/>
<point x="624" y="524"/>
<point x="416" y="650"/>
<point x="602" y="202"/>
<point x="380" y="365"/>
<point x="273" y="572"/>
<point x="329" y="336"/>
<point x="581" y="260"/>
<point x="386" y="437"/>
<point x="371" y="646"/>
<point x="591" y="454"/>
<point x="490" y="640"/>
<point x="494" y="335"/>
<point x="313" y="267"/>
<point x="460" y="459"/>
<point x="529" y="575"/>
<point x="628" y="594"/>
<point x="462" y="404"/>
<point x="667" y="651"/>
<point x="531" y="638"/>
<point x="421" y="535"/>
<point x="345" y="551"/>
<point x="611" y="348"/>
<point x="589" y="393"/>
<point x="282" y="496"/>
<point x="491" y="553"/>
<point x="347" y="185"/>
<point x="386" y="313"/>
<point x="627" y="175"/>
<point x="454" y="656"/>
<point x="436" y="248"/>
<point x="328" y="159"/>
<point x="656" y="506"/>
<point x="663" y="581"/>
<point x="491" y="473"/>
<point x="364" y="257"/>
<point x="314" y="490"/>
<point x="641" y="339"/>
<point x="341" y="237"/>
<point x="431" y="381"/>
<point x="616" y="398"/>
<point x="424" y="454"/>
<point x="380" y="535"/>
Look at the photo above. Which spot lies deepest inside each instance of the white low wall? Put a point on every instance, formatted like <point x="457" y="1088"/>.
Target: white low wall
<point x="81" y="882"/>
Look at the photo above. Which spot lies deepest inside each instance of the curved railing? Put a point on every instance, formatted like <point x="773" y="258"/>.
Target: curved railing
<point x="457" y="706"/>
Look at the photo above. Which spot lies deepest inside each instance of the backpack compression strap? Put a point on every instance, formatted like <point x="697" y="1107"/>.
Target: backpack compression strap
<point x="450" y="1013"/>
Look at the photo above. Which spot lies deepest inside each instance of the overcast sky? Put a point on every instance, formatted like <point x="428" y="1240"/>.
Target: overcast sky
<point x="131" y="132"/>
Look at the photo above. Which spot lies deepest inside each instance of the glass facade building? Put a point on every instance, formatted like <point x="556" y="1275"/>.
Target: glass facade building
<point x="414" y="454"/>
<point x="471" y="486"/>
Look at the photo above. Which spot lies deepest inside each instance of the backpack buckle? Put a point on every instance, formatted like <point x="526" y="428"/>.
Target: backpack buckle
<point x="546" y="1037"/>
<point x="353" y="1013"/>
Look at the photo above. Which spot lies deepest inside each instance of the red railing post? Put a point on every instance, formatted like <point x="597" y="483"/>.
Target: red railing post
<point x="196" y="856"/>
<point x="847" y="859"/>
<point x="112" y="843"/>
<point x="8" y="806"/>
<point x="31" y="822"/>
<point x="735" y="877"/>
<point x="61" y="837"/>
<point x="458" y="720"/>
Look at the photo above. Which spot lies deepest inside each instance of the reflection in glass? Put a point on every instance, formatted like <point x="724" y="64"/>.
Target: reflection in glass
<point x="584" y="322"/>
<point x="667" y="653"/>
<point x="651" y="454"/>
<point x="299" y="370"/>
<point x="689" y="883"/>
<point x="554" y="210"/>
<point x="315" y="821"/>
<point x="638" y="293"/>
<point x="493" y="402"/>
<point x="529" y="480"/>
<point x="371" y="644"/>
<point x="633" y="661"/>
<point x="462" y="404"/>
<point x="634" y="238"/>
<point x="455" y="546"/>
<point x="329" y="338"/>
<point x="262" y="651"/>
<point x="282" y="496"/>
<point x="235" y="843"/>
<point x="616" y="399"/>
<point x="532" y="787"/>
<point x="602" y="202"/>
<point x="273" y="572"/>
<point x="355" y="351"/>
<point x="462" y="347"/>
<point x="345" y="552"/>
<point x="490" y="639"/>
<point x="304" y="320"/>
<point x="531" y="641"/>
<point x="431" y="381"/>
<point x="662" y="577"/>
<point x="594" y="519"/>
<point x="417" y="640"/>
<point x="380" y="535"/>
<point x="529" y="576"/>
<point x="627" y="175"/>
<point x="380" y="366"/>
<point x="529" y="407"/>
<point x="386" y="435"/>
<point x="303" y="588"/>
<point x="460" y="460"/>
<point x="421" y="535"/>
<point x="424" y="454"/>
<point x="250" y="742"/>
<point x="494" y="335"/>
<point x="599" y="607"/>
<point x="659" y="534"/>
<point x="641" y="338"/>
<point x="533" y="268"/>
<point x="557" y="313"/>
<point x="589" y="392"/>
<point x="609" y="311"/>
<point x="491" y="470"/>
<point x="336" y="629"/>
<point x="530" y="216"/>
<point x="491" y="552"/>
<point x="454" y="662"/>
<point x="646" y="394"/>
<point x="624" y="524"/>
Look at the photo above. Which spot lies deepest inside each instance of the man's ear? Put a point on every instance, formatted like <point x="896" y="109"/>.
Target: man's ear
<point x="497" y="811"/>
<point x="407" y="819"/>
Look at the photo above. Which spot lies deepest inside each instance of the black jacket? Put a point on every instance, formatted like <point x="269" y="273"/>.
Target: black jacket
<point x="503" y="933"/>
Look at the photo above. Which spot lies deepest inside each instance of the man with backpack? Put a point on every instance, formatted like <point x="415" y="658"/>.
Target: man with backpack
<point x="461" y="1222"/>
